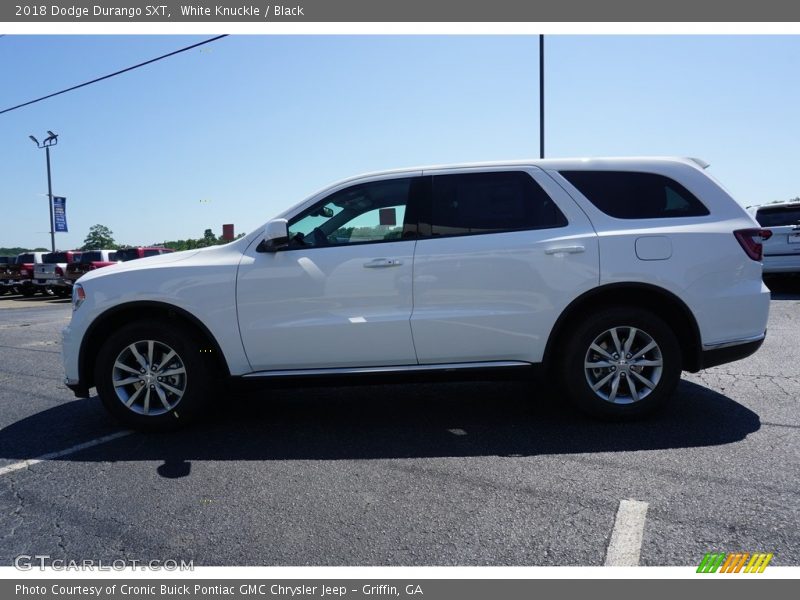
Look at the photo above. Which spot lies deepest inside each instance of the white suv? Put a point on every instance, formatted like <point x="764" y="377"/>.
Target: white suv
<point x="611" y="274"/>
<point x="782" y="247"/>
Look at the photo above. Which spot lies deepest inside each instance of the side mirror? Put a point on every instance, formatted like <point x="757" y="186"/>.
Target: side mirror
<point x="276" y="236"/>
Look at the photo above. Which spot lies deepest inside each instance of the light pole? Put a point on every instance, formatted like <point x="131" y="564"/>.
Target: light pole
<point x="541" y="96"/>
<point x="50" y="140"/>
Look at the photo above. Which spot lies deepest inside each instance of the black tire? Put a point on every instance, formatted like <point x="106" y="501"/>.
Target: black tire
<point x="62" y="292"/>
<point x="167" y="410"/>
<point x="27" y="290"/>
<point x="631" y="399"/>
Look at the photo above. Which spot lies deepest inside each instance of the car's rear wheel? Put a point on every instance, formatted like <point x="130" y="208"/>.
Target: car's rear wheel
<point x="150" y="376"/>
<point x="620" y="363"/>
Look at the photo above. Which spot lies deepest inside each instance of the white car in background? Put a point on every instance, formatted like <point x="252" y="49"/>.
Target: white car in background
<point x="782" y="248"/>
<point x="611" y="275"/>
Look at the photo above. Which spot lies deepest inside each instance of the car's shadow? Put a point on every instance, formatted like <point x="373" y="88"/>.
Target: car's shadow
<point x="453" y="419"/>
<point x="784" y="288"/>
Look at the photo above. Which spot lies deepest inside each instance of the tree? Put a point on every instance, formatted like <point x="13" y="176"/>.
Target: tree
<point x="208" y="239"/>
<point x="100" y="238"/>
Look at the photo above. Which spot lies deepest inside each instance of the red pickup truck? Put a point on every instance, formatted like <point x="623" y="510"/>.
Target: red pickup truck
<point x="90" y="260"/>
<point x="126" y="254"/>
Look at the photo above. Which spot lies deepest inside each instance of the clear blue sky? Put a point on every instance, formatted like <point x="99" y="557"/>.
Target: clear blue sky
<point x="239" y="130"/>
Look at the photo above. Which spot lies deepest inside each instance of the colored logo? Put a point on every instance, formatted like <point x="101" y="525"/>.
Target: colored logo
<point x="735" y="562"/>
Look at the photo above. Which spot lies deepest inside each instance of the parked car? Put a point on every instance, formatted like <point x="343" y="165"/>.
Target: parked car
<point x="50" y="274"/>
<point x="21" y="272"/>
<point x="782" y="248"/>
<point x="5" y="274"/>
<point x="610" y="275"/>
<point x="126" y="254"/>
<point x="89" y="261"/>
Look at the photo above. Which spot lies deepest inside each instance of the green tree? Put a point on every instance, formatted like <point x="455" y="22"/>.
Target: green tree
<point x="100" y="238"/>
<point x="208" y="239"/>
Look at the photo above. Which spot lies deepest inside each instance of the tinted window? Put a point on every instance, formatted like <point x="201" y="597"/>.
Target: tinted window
<point x="54" y="258"/>
<point x="111" y="256"/>
<point x="631" y="195"/>
<point x="151" y="253"/>
<point x="776" y="217"/>
<point x="367" y="212"/>
<point x="127" y="254"/>
<point x="88" y="257"/>
<point x="490" y="202"/>
<point x="26" y="258"/>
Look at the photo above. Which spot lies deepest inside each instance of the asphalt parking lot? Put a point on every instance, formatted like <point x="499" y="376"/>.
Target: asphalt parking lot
<point x="452" y="473"/>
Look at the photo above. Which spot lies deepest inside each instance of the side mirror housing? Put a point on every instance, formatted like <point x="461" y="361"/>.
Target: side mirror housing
<point x="276" y="236"/>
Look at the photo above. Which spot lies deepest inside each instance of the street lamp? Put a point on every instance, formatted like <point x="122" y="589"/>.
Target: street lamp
<point x="541" y="96"/>
<point x="50" y="140"/>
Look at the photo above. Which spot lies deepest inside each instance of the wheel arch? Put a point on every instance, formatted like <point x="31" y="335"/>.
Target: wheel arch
<point x="119" y="315"/>
<point x="660" y="301"/>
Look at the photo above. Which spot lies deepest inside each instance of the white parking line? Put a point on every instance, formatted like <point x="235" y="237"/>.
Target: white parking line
<point x="32" y="461"/>
<point x="626" y="537"/>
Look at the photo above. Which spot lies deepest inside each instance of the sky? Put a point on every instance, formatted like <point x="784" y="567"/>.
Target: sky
<point x="240" y="129"/>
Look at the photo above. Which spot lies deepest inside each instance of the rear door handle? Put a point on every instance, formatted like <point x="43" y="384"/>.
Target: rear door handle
<point x="382" y="263"/>
<point x="565" y="250"/>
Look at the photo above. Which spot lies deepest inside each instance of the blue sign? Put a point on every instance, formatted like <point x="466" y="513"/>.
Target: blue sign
<point x="60" y="213"/>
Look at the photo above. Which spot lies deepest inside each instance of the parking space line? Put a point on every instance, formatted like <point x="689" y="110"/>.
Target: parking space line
<point x="32" y="461"/>
<point x="626" y="537"/>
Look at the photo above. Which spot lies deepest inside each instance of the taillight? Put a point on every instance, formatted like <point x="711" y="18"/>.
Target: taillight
<point x="59" y="271"/>
<point x="750" y="240"/>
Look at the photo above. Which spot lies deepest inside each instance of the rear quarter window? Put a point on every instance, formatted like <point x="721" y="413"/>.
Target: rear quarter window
<point x="636" y="195"/>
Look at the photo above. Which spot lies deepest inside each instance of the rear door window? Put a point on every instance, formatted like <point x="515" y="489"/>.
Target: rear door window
<point x="476" y="203"/>
<point x="636" y="195"/>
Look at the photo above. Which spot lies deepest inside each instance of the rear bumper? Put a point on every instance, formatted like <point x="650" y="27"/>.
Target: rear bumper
<point x="725" y="353"/>
<point x="787" y="263"/>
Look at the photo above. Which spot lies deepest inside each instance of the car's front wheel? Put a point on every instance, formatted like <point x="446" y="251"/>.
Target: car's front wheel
<point x="150" y="375"/>
<point x="621" y="362"/>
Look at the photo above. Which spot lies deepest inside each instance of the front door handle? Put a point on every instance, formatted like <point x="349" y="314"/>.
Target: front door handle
<point x="565" y="250"/>
<point x="382" y="263"/>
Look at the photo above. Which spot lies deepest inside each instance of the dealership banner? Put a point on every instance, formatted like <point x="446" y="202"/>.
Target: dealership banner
<point x="354" y="589"/>
<point x="60" y="214"/>
<point x="407" y="11"/>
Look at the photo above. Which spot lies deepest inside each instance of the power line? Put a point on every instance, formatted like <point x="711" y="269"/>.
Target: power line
<point x="147" y="62"/>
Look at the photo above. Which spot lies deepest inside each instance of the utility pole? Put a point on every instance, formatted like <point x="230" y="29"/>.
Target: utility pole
<point x="50" y="140"/>
<point x="541" y="95"/>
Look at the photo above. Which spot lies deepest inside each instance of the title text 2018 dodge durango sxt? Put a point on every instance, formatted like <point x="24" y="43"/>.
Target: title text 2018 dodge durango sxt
<point x="611" y="274"/>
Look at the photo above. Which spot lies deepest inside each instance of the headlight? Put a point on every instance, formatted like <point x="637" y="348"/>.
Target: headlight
<point x="78" y="296"/>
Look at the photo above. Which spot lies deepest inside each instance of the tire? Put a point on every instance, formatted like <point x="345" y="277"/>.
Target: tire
<point x="156" y="400"/>
<point x="27" y="290"/>
<point x="62" y="292"/>
<point x="623" y="385"/>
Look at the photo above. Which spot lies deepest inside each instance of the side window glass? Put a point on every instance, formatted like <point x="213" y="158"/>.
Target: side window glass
<point x="151" y="253"/>
<point x="473" y="203"/>
<point x="364" y="213"/>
